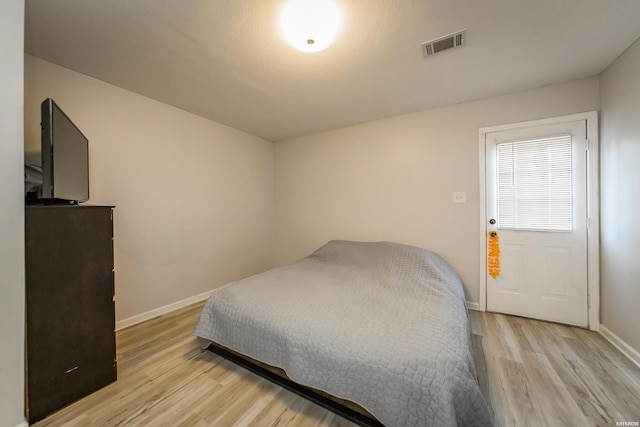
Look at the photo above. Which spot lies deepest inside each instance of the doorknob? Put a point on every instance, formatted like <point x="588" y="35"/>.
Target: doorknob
<point x="492" y="221"/>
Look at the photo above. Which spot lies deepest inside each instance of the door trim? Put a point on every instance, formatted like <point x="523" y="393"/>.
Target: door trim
<point x="593" y="207"/>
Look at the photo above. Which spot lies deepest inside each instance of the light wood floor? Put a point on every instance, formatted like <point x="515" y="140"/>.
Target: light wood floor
<point x="532" y="374"/>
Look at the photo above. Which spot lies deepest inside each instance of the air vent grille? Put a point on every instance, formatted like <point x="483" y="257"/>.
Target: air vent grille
<point x="444" y="43"/>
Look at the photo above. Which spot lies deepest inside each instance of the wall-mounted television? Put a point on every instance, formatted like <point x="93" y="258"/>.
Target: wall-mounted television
<point x="65" y="158"/>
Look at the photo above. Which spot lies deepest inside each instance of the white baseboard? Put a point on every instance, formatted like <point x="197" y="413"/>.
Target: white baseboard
<point x="139" y="318"/>
<point x="631" y="353"/>
<point x="23" y="424"/>
<point x="473" y="306"/>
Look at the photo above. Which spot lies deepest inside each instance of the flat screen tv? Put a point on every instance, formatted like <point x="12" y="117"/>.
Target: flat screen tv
<point x="65" y="158"/>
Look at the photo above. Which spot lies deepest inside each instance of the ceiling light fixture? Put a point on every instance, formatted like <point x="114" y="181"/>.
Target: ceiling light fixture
<point x="310" y="25"/>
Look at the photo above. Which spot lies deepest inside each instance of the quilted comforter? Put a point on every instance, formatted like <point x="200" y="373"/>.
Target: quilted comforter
<point x="381" y="324"/>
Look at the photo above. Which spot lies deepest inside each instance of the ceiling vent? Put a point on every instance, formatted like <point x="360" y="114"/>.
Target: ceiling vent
<point x="444" y="43"/>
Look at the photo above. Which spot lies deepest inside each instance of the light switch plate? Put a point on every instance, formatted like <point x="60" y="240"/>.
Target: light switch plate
<point x="459" y="197"/>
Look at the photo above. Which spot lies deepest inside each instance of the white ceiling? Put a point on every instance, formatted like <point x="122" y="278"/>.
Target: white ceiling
<point x="225" y="59"/>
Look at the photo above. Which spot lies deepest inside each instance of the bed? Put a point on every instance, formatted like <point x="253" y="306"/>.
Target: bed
<point x="380" y="324"/>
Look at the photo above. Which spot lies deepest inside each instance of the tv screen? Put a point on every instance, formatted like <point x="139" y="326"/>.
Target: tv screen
<point x="65" y="157"/>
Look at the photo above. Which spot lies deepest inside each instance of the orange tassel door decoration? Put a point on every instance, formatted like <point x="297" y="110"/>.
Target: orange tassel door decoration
<point x="493" y="255"/>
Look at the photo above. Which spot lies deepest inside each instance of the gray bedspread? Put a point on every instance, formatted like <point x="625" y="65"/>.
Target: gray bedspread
<point x="381" y="324"/>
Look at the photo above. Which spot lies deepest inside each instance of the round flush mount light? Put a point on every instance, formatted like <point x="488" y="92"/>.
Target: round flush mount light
<point x="310" y="25"/>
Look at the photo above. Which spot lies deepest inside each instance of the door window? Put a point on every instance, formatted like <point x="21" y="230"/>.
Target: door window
<point x="534" y="184"/>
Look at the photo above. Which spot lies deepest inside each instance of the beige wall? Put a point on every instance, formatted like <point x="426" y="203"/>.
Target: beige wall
<point x="194" y="198"/>
<point x="11" y="214"/>
<point x="620" y="197"/>
<point x="393" y="179"/>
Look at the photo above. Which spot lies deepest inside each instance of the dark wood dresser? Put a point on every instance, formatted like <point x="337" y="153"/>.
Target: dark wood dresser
<point x="70" y="319"/>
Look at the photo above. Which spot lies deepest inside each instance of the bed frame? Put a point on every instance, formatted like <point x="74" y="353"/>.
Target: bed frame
<point x="345" y="409"/>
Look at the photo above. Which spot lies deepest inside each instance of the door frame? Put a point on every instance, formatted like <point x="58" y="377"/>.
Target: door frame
<point x="593" y="207"/>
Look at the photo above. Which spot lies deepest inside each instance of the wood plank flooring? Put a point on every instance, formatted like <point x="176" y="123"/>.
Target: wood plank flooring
<point x="531" y="373"/>
<point x="535" y="373"/>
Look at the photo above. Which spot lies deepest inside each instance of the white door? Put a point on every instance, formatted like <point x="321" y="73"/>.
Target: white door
<point x="536" y="203"/>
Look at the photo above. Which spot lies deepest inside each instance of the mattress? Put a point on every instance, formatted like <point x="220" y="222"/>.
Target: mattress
<point x="381" y="324"/>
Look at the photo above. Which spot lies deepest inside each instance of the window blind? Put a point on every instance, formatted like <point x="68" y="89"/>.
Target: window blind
<point x="534" y="184"/>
